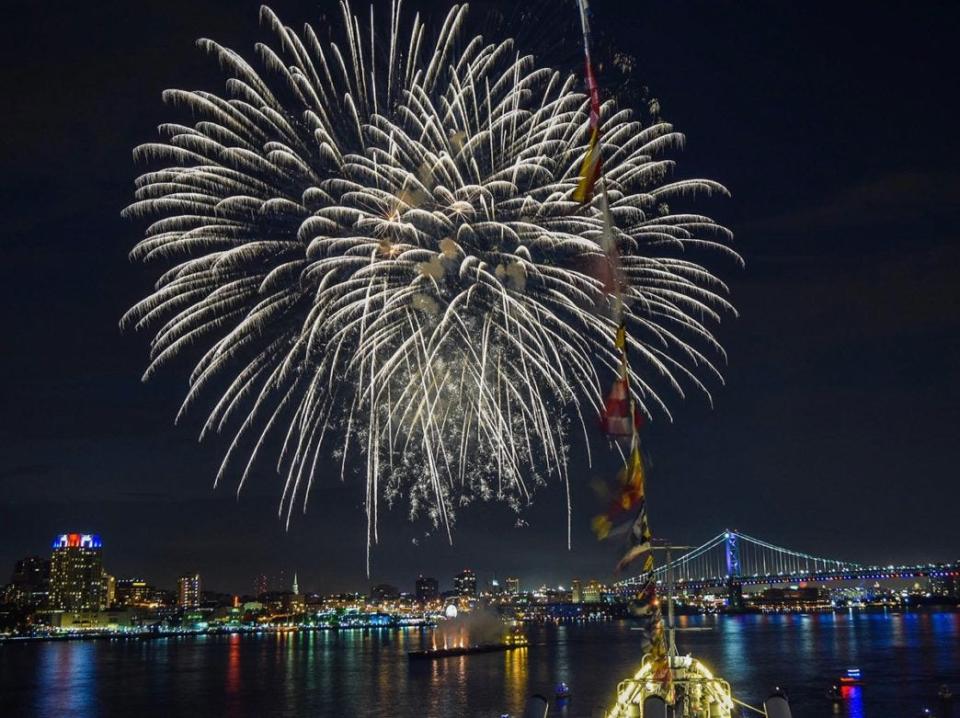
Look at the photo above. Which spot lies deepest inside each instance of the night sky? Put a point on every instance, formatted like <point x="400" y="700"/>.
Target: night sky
<point x="834" y="126"/>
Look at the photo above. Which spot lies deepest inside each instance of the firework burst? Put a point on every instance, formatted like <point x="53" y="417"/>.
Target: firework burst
<point x="370" y="244"/>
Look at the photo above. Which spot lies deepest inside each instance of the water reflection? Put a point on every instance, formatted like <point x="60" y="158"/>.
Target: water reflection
<point x="853" y="699"/>
<point x="233" y="664"/>
<point x="67" y="679"/>
<point x="904" y="660"/>
<point x="515" y="678"/>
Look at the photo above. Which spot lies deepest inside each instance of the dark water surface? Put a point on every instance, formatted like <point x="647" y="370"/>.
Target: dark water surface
<point x="904" y="659"/>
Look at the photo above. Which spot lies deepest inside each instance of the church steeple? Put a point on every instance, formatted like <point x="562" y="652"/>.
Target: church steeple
<point x="296" y="588"/>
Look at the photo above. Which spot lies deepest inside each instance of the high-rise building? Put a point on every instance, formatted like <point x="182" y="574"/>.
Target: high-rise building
<point x="76" y="573"/>
<point x="427" y="589"/>
<point x="513" y="586"/>
<point x="465" y="583"/>
<point x="260" y="585"/>
<point x="576" y="591"/>
<point x="132" y="592"/>
<point x="29" y="585"/>
<point x="188" y="591"/>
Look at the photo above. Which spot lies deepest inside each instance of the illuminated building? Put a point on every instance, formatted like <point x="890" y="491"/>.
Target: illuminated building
<point x="591" y="594"/>
<point x="427" y="589"/>
<point x="465" y="583"/>
<point x="188" y="591"/>
<point x="113" y="620"/>
<point x="576" y="591"/>
<point x="296" y="603"/>
<point x="132" y="592"/>
<point x="109" y="590"/>
<point x="945" y="585"/>
<point x="30" y="583"/>
<point x="793" y="598"/>
<point x="513" y="586"/>
<point x="76" y="573"/>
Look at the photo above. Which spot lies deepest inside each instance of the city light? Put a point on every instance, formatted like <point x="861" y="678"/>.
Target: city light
<point x="77" y="541"/>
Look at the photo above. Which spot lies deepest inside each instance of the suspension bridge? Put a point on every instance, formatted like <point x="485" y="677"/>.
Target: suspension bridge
<point x="733" y="559"/>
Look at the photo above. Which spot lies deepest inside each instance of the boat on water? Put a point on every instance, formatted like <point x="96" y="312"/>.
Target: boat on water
<point x="851" y="678"/>
<point x="513" y="640"/>
<point x="692" y="691"/>
<point x="696" y="692"/>
<point x="688" y="689"/>
<point x="433" y="654"/>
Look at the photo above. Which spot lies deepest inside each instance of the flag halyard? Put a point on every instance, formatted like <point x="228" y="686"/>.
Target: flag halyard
<point x="620" y="416"/>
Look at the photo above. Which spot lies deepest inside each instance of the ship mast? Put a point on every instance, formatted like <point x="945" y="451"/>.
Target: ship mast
<point x="671" y="627"/>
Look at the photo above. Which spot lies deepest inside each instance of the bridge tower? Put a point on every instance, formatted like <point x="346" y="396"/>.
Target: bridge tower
<point x="734" y="587"/>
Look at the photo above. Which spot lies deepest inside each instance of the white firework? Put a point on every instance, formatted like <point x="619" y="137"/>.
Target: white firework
<point x="374" y="246"/>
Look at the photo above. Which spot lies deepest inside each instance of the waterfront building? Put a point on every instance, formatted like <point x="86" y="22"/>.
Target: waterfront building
<point x="113" y="620"/>
<point x="282" y="603"/>
<point x="29" y="585"/>
<point x="513" y="586"/>
<point x="161" y="597"/>
<point x="576" y="591"/>
<point x="465" y="583"/>
<point x="345" y="602"/>
<point x="591" y="592"/>
<point x="802" y="598"/>
<point x="427" y="589"/>
<point x="76" y="573"/>
<point x="188" y="591"/>
<point x="297" y="602"/>
<point x="944" y="586"/>
<point x="132" y="592"/>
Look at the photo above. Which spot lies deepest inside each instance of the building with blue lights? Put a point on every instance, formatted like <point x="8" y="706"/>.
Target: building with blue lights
<point x="76" y="573"/>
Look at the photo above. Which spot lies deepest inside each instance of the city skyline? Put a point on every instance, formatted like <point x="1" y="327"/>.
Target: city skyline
<point x="78" y="557"/>
<point x="187" y="587"/>
<point x="841" y="399"/>
<point x="74" y="591"/>
<point x="479" y="358"/>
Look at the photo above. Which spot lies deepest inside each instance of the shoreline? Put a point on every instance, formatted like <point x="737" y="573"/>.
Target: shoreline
<point x="150" y="635"/>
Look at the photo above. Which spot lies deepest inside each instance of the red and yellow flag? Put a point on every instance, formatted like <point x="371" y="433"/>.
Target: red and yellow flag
<point x="629" y="496"/>
<point x="619" y="417"/>
<point x="592" y="162"/>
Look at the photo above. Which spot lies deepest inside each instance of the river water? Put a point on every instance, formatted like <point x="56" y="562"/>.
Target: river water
<point x="904" y="658"/>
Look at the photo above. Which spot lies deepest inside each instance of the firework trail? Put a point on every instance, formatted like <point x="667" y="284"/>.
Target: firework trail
<point x="371" y="246"/>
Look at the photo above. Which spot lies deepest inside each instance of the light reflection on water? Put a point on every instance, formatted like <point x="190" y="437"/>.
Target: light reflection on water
<point x="67" y="674"/>
<point x="904" y="659"/>
<point x="515" y="679"/>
